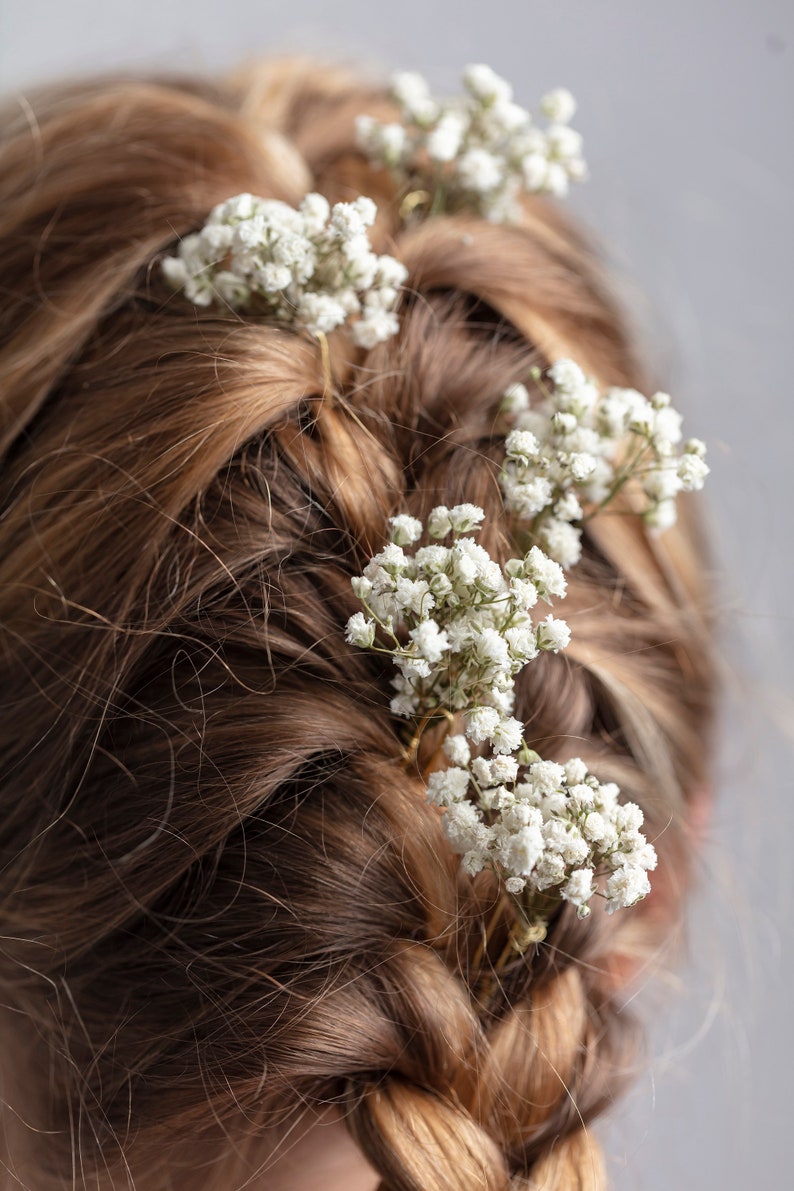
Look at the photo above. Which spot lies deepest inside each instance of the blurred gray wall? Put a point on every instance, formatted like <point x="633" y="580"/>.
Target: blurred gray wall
<point x="686" y="107"/>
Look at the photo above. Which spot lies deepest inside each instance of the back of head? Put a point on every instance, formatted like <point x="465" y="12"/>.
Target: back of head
<point x="227" y="902"/>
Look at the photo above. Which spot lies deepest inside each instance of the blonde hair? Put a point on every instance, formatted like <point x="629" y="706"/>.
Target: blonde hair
<point x="225" y="899"/>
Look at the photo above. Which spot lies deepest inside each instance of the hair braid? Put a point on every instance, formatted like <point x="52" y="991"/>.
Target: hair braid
<point x="226" y="900"/>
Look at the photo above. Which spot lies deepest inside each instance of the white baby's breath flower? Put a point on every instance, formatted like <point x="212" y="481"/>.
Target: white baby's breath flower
<point x="375" y="327"/>
<point x="575" y="771"/>
<point x="391" y="143"/>
<point x="464" y="828"/>
<point x="507" y="736"/>
<point x="559" y="105"/>
<point x="553" y="634"/>
<point x="547" y="776"/>
<point x="360" y="631"/>
<point x="663" y="483"/>
<point x="320" y="313"/>
<point x="562" y="541"/>
<point x="535" y="171"/>
<point x="479" y="170"/>
<point x="405" y="530"/>
<point x="474" y="862"/>
<point x="414" y="596"/>
<point x="661" y="516"/>
<point x="486" y="85"/>
<point x="567" y="375"/>
<point x="481" y="723"/>
<point x="504" y="768"/>
<point x="391" y="558"/>
<point x="563" y="142"/>
<point x="547" y="574"/>
<point x="579" y="889"/>
<point x="522" y="850"/>
<point x="465" y="517"/>
<point x="412" y="92"/>
<point x="362" y="587"/>
<point x="626" y="886"/>
<point x="595" y="828"/>
<point x="581" y="465"/>
<point x="457" y="749"/>
<point x="522" y="643"/>
<point x="528" y="496"/>
<point x="692" y="471"/>
<point x="515" y="399"/>
<point x="645" y="856"/>
<point x="430" y="640"/>
<point x="446" y="786"/>
<point x="439" y="523"/>
<point x="444" y="142"/>
<point x="521" y="444"/>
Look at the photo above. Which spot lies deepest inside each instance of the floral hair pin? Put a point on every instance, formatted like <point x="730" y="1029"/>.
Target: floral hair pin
<point x="568" y="457"/>
<point x="312" y="267"/>
<point x="460" y="627"/>
<point x="476" y="152"/>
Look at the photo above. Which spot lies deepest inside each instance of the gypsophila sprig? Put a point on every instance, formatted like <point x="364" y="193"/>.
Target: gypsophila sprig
<point x="457" y="625"/>
<point x="312" y="267"/>
<point x="459" y="628"/>
<point x="550" y="831"/>
<point x="477" y="152"/>
<point x="568" y="457"/>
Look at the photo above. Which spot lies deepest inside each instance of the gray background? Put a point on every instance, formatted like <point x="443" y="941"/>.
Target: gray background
<point x="686" y="110"/>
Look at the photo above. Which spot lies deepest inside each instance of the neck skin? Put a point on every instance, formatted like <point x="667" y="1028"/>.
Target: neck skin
<point x="318" y="1154"/>
<point x="322" y="1157"/>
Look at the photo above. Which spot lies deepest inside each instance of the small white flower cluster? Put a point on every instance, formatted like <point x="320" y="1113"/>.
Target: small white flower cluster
<point x="311" y="267"/>
<point x="477" y="152"/>
<point x="543" y="826"/>
<point x="466" y="623"/>
<point x="465" y="633"/>
<point x="569" y="456"/>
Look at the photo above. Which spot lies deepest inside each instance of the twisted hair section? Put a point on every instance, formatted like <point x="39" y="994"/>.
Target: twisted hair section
<point x="226" y="903"/>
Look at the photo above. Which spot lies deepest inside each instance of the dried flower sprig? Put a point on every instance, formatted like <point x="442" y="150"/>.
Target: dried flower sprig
<point x="569" y="456"/>
<point x="458" y="627"/>
<point x="311" y="267"/>
<point x="477" y="152"/>
<point x="543" y="827"/>
<point x="465" y="621"/>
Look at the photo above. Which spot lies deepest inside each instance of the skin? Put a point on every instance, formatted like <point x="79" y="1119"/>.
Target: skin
<point x="318" y="1154"/>
<point x="322" y="1158"/>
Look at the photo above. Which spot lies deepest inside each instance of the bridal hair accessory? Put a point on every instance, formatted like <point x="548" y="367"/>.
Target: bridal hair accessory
<point x="477" y="152"/>
<point x="570" y="456"/>
<point x="459" y="627"/>
<point x="311" y="268"/>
